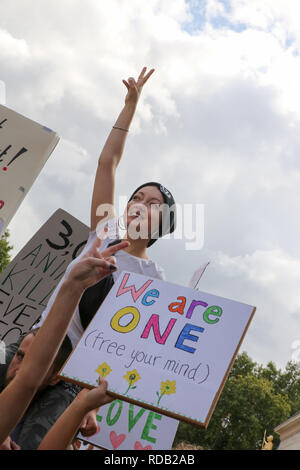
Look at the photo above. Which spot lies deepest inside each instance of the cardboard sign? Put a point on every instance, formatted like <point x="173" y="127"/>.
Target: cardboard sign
<point x="162" y="346"/>
<point x="29" y="280"/>
<point x="25" y="147"/>
<point x="125" y="426"/>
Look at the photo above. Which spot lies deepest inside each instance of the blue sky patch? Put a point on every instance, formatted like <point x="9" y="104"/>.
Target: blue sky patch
<point x="197" y="9"/>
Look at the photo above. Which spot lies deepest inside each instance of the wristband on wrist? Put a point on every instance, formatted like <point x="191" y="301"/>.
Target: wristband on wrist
<point x="120" y="128"/>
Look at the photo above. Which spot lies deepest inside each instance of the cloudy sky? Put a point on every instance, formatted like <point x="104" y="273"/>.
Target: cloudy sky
<point x="218" y="124"/>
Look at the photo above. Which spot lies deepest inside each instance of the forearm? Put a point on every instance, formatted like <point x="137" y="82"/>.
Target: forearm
<point x="115" y="143"/>
<point x="49" y="338"/>
<point x="61" y="434"/>
<point x="103" y="192"/>
<point x="14" y="400"/>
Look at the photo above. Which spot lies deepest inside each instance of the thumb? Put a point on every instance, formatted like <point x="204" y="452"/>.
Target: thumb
<point x="15" y="446"/>
<point x="83" y="423"/>
<point x="126" y="84"/>
<point x="102" y="383"/>
<point x="94" y="250"/>
<point x="111" y="260"/>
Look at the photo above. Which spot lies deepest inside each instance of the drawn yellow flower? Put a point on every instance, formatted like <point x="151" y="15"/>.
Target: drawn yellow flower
<point x="103" y="370"/>
<point x="168" y="387"/>
<point x="132" y="377"/>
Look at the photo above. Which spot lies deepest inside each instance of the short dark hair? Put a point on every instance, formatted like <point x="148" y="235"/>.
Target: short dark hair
<point x="63" y="352"/>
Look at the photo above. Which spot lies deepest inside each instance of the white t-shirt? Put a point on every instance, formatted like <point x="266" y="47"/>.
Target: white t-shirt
<point x="125" y="261"/>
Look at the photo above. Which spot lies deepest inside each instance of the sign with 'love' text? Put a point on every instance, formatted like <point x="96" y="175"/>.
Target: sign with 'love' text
<point x="25" y="147"/>
<point x="125" y="426"/>
<point x="161" y="346"/>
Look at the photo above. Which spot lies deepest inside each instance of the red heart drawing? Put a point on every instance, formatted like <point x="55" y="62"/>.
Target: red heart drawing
<point x="138" y="446"/>
<point x="116" y="440"/>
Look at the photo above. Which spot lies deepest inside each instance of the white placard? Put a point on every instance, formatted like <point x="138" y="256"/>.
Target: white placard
<point x="25" y="147"/>
<point x="124" y="426"/>
<point x="29" y="280"/>
<point x="162" y="346"/>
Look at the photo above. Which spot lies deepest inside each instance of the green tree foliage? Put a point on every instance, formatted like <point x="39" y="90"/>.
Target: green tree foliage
<point x="258" y="399"/>
<point x="5" y="248"/>
<point x="286" y="382"/>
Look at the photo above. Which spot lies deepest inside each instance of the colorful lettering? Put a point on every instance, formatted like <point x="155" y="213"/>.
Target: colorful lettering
<point x="111" y="421"/>
<point x="178" y="306"/>
<point x="213" y="310"/>
<point x="150" y="293"/>
<point x="193" y="305"/>
<point x="134" y="419"/>
<point x="134" y="293"/>
<point x="115" y="321"/>
<point x="185" y="335"/>
<point x="150" y="425"/>
<point x="154" y="323"/>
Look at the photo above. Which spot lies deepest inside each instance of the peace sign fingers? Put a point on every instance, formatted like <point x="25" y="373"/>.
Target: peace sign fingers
<point x="110" y="251"/>
<point x="143" y="78"/>
<point x="134" y="88"/>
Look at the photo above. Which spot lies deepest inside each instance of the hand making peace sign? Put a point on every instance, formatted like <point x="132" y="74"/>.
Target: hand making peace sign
<point x="135" y="87"/>
<point x="94" y="266"/>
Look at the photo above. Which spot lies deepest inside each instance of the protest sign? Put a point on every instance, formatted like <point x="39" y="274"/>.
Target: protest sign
<point x="29" y="280"/>
<point x="25" y="147"/>
<point x="161" y="346"/>
<point x="125" y="426"/>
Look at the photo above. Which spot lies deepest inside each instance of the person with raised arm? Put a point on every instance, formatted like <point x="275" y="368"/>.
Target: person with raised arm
<point x="149" y="214"/>
<point x="144" y="215"/>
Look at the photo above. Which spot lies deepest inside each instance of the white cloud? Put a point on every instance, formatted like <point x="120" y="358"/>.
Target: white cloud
<point x="12" y="48"/>
<point x="270" y="41"/>
<point x="275" y="271"/>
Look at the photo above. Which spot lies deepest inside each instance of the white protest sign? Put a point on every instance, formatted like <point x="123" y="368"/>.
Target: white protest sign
<point x="29" y="280"/>
<point x="125" y="426"/>
<point x="162" y="346"/>
<point x="25" y="147"/>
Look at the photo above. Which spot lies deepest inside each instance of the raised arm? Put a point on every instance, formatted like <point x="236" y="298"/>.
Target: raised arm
<point x="17" y="396"/>
<point x="104" y="185"/>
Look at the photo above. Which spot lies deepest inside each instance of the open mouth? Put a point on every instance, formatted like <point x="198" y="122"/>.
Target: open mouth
<point x="137" y="214"/>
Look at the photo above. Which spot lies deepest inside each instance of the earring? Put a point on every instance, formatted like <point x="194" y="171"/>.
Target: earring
<point x="121" y="218"/>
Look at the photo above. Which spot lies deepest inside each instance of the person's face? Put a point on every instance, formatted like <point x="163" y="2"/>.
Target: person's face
<point x="16" y="363"/>
<point x="143" y="213"/>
